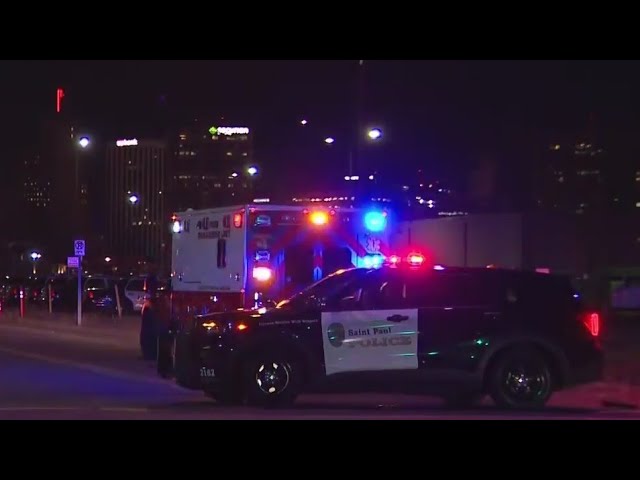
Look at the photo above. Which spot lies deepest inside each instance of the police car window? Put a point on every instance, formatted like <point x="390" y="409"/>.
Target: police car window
<point x="378" y="292"/>
<point x="448" y="290"/>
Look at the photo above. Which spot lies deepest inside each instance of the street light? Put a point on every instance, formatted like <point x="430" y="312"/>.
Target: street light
<point x="303" y="122"/>
<point x="329" y="140"/>
<point x="35" y="256"/>
<point x="374" y="133"/>
<point x="252" y="171"/>
<point x="107" y="259"/>
<point x="84" y="142"/>
<point x="133" y="199"/>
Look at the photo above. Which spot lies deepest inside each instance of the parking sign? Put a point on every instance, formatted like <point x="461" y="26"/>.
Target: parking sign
<point x="79" y="248"/>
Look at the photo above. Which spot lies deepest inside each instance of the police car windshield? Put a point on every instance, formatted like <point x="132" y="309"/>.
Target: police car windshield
<point x="323" y="289"/>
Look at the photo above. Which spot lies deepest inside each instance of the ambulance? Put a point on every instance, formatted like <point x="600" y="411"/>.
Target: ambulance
<point x="253" y="256"/>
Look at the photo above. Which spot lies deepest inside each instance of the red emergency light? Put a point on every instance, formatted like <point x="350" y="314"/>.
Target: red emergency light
<point x="415" y="259"/>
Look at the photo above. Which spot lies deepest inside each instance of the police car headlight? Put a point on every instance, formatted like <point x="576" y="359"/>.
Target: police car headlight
<point x="211" y="327"/>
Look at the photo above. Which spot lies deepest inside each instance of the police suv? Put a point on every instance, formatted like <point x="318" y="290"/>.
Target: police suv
<point x="452" y="332"/>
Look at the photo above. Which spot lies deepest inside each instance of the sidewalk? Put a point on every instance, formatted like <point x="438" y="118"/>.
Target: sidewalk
<point x="98" y="328"/>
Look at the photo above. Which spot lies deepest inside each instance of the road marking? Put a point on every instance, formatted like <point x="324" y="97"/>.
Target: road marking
<point x="111" y="372"/>
<point x="36" y="409"/>
<point x="124" y="409"/>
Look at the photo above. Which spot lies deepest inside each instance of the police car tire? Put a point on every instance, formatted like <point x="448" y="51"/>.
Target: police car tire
<point x="499" y="371"/>
<point x="256" y="396"/>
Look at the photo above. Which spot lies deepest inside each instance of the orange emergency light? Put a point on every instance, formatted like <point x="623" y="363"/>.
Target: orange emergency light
<point x="319" y="218"/>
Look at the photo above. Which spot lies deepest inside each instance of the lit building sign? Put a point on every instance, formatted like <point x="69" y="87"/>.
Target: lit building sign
<point x="228" y="131"/>
<point x="127" y="143"/>
<point x="59" y="97"/>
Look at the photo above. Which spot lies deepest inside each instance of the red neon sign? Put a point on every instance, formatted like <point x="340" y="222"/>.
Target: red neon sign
<point x="59" y="96"/>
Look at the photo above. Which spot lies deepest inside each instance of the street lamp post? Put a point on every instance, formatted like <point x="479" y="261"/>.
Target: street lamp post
<point x="83" y="144"/>
<point x="35" y="256"/>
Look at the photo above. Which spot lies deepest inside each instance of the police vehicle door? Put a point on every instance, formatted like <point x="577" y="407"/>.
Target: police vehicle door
<point x="375" y="333"/>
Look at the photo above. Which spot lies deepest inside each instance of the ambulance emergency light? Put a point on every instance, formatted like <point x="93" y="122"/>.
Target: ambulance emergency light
<point x="319" y="218"/>
<point x="262" y="274"/>
<point x="375" y="221"/>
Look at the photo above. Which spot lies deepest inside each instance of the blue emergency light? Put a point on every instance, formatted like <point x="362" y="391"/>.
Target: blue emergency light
<point x="372" y="261"/>
<point x="375" y="221"/>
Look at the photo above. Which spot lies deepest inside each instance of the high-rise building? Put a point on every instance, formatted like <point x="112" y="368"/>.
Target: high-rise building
<point x="136" y="183"/>
<point x="575" y="178"/>
<point x="36" y="185"/>
<point x="212" y="166"/>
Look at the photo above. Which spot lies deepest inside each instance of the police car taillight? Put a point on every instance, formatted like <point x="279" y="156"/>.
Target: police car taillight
<point x="591" y="320"/>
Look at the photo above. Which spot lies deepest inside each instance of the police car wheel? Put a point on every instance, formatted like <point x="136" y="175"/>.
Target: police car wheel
<point x="520" y="378"/>
<point x="270" y="381"/>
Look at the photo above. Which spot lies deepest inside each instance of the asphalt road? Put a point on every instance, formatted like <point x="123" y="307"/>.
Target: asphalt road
<point x="67" y="376"/>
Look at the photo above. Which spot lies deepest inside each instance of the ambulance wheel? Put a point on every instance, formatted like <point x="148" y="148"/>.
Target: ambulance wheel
<point x="272" y="380"/>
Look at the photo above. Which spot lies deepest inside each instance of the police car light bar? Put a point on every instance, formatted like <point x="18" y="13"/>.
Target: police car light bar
<point x="373" y="261"/>
<point x="415" y="259"/>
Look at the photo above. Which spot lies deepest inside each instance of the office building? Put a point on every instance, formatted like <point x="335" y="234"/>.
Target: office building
<point x="212" y="166"/>
<point x="575" y="178"/>
<point x="136" y="183"/>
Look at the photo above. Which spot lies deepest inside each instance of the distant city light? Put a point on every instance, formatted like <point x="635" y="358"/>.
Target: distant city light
<point x="329" y="140"/>
<point x="127" y="142"/>
<point x="252" y="171"/>
<point x="234" y="174"/>
<point x="347" y="177"/>
<point x="374" y="133"/>
<point x="303" y="122"/>
<point x="59" y="97"/>
<point x="133" y="199"/>
<point x="227" y="131"/>
<point x="35" y="256"/>
<point x="107" y="259"/>
<point x="84" y="142"/>
<point x="370" y="177"/>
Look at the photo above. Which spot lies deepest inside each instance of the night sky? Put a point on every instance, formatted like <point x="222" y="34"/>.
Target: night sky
<point x="440" y="115"/>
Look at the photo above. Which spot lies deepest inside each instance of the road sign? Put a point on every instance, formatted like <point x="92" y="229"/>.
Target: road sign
<point x="79" y="248"/>
<point x="73" y="262"/>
